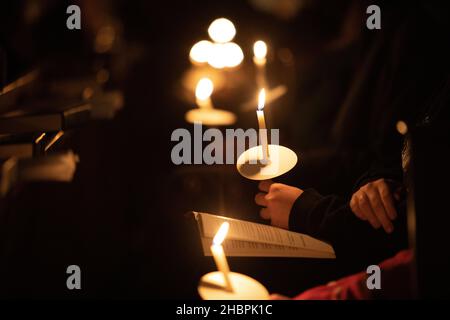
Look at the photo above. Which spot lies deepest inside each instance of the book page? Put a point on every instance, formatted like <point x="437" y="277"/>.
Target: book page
<point x="239" y="248"/>
<point x="259" y="233"/>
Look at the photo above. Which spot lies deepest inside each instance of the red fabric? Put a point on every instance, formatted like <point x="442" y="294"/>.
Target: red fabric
<point x="395" y="283"/>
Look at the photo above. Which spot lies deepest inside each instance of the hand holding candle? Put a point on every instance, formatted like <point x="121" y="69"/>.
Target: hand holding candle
<point x="219" y="255"/>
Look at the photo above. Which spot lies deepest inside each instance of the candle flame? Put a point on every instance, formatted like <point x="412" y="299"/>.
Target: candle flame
<point x="222" y="30"/>
<point x="221" y="233"/>
<point x="201" y="51"/>
<point x="261" y="99"/>
<point x="234" y="54"/>
<point x="225" y="55"/>
<point x="204" y="89"/>
<point x="260" y="49"/>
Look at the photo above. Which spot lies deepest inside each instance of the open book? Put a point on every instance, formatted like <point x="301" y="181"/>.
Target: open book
<point x="249" y="239"/>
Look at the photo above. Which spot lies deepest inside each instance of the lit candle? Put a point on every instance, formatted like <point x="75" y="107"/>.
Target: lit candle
<point x="262" y="126"/>
<point x="260" y="52"/>
<point x="219" y="254"/>
<point x="203" y="93"/>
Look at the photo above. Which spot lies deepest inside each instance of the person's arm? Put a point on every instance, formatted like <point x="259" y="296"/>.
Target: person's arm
<point x="395" y="283"/>
<point x="328" y="218"/>
<point x="331" y="219"/>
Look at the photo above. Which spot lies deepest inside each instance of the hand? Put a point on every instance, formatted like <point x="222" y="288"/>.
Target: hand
<point x="375" y="202"/>
<point x="278" y="200"/>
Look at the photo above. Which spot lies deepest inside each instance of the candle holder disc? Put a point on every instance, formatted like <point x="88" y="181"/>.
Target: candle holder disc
<point x="212" y="287"/>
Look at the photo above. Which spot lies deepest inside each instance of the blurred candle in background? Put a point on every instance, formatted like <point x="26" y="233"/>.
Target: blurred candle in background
<point x="221" y="53"/>
<point x="222" y="30"/>
<point x="203" y="93"/>
<point x="259" y="58"/>
<point x="201" y="52"/>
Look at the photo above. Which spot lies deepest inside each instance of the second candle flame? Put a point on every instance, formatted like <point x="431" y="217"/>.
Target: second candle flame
<point x="204" y="89"/>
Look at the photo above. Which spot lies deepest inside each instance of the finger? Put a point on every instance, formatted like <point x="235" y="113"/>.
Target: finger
<point x="388" y="201"/>
<point x="356" y="209"/>
<point x="260" y="199"/>
<point x="264" y="213"/>
<point x="265" y="185"/>
<point x="378" y="208"/>
<point x="366" y="209"/>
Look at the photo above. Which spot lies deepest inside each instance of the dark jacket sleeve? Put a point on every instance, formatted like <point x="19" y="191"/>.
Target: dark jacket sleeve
<point x="330" y="218"/>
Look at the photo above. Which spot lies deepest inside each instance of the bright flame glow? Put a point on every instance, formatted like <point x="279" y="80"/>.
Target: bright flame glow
<point x="201" y="51"/>
<point x="233" y="54"/>
<point x="222" y="30"/>
<point x="204" y="89"/>
<point x="260" y="49"/>
<point x="221" y="233"/>
<point x="261" y="99"/>
<point x="217" y="58"/>
<point x="225" y="55"/>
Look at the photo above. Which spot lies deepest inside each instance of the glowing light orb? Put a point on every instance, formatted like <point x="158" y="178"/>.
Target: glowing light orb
<point x="201" y="51"/>
<point x="225" y="55"/>
<point x="204" y="89"/>
<point x="260" y="49"/>
<point x="222" y="30"/>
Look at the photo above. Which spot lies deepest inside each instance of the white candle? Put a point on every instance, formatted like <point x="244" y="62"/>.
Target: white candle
<point x="262" y="126"/>
<point x="259" y="58"/>
<point x="219" y="255"/>
<point x="203" y="93"/>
